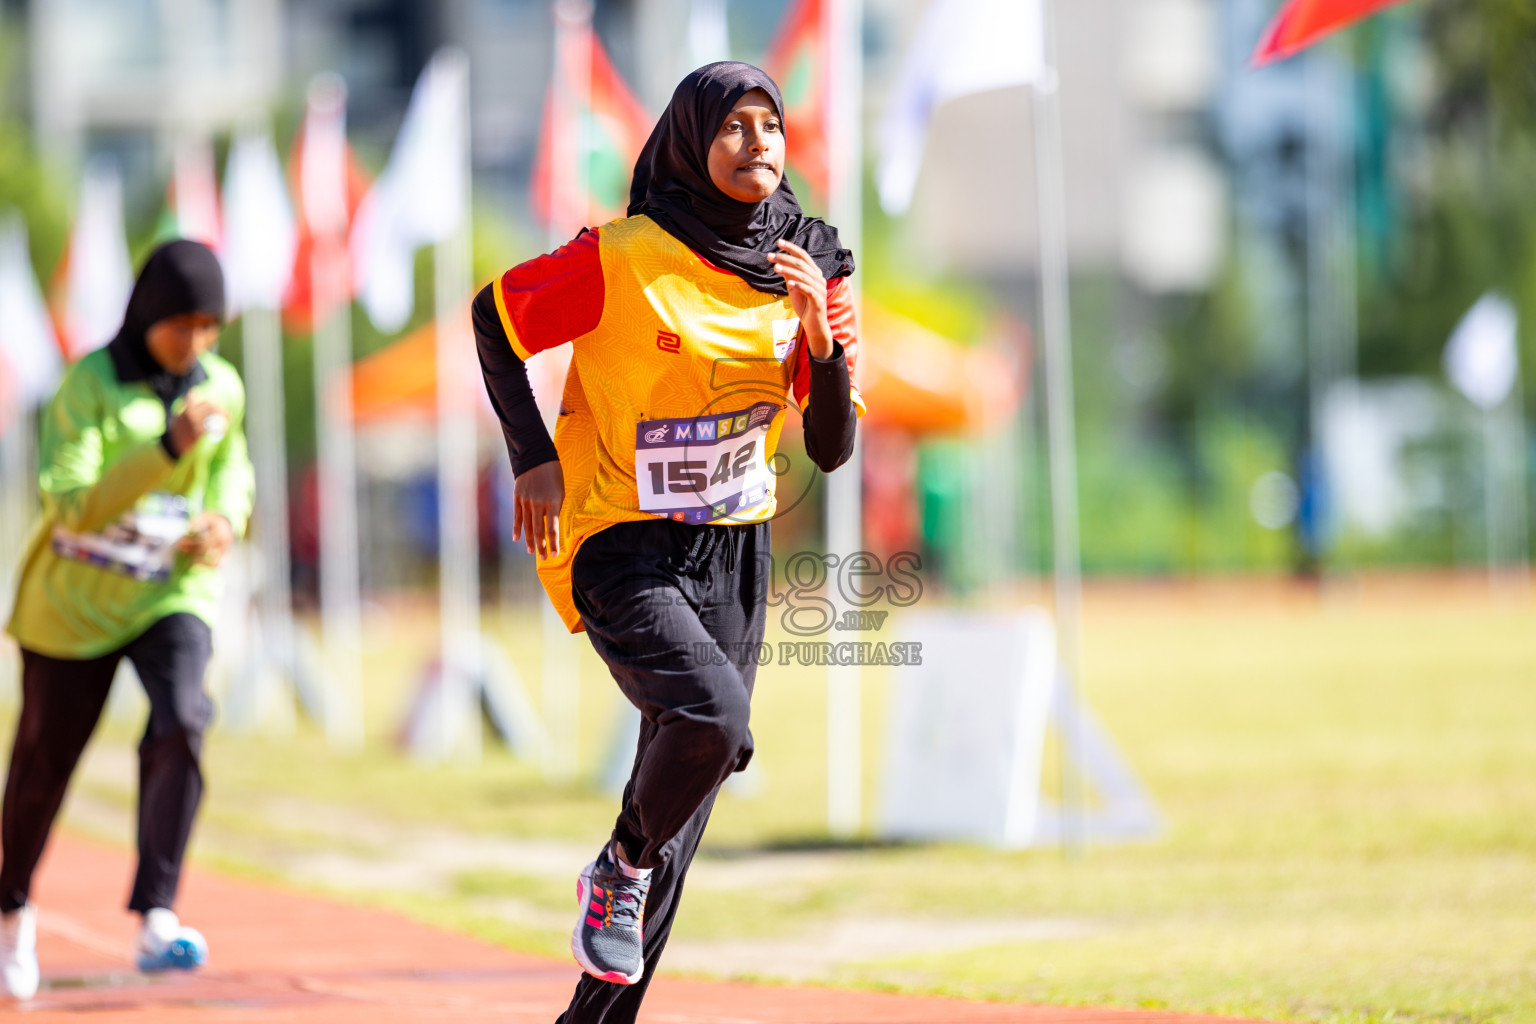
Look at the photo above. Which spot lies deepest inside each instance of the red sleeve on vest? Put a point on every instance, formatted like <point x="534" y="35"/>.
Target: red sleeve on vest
<point x="840" y="318"/>
<point x="552" y="299"/>
<point x="845" y="331"/>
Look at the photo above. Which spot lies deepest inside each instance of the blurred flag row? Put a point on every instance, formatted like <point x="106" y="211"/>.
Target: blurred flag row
<point x="27" y="340"/>
<point x="594" y="129"/>
<point x="266" y="240"/>
<point x="263" y="242"/>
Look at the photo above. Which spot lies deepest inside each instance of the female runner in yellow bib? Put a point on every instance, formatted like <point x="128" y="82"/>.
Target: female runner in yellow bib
<point x="695" y="322"/>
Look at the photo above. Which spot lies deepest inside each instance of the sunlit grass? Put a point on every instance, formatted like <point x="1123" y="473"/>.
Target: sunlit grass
<point x="1348" y="786"/>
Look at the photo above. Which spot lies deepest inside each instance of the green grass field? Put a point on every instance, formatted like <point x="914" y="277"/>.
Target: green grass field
<point x="1348" y="784"/>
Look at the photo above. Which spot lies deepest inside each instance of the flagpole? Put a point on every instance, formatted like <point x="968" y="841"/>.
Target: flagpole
<point x="1519" y="513"/>
<point x="1492" y="517"/>
<point x="17" y="443"/>
<point x="340" y="590"/>
<point x="1330" y="270"/>
<point x="571" y="86"/>
<point x="844" y="488"/>
<point x="265" y="417"/>
<point x="31" y="366"/>
<point x="457" y="462"/>
<point x="1055" y="315"/>
<point x="1504" y="480"/>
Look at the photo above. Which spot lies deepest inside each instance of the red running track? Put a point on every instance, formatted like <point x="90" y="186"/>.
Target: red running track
<point x="279" y="955"/>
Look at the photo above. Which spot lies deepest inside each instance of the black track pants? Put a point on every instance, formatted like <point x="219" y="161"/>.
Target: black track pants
<point x="61" y="701"/>
<point x="677" y="613"/>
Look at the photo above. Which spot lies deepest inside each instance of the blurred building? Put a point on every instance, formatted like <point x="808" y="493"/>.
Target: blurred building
<point x="130" y="78"/>
<point x="1144" y="196"/>
<point x="134" y="76"/>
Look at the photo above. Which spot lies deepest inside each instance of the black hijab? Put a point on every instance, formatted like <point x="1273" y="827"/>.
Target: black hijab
<point x="179" y="277"/>
<point x="672" y="186"/>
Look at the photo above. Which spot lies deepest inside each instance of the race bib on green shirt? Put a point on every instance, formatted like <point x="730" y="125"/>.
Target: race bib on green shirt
<point x="141" y="544"/>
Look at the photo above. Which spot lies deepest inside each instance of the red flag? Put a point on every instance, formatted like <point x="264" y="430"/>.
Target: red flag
<point x="798" y="60"/>
<point x="613" y="130"/>
<point x="1301" y="23"/>
<point x="298" y="314"/>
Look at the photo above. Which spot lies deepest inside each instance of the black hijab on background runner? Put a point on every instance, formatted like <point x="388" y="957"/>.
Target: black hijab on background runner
<point x="179" y="277"/>
<point x="672" y="185"/>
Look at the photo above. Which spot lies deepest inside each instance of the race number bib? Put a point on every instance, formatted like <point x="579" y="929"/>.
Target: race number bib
<point x="704" y="469"/>
<point x="141" y="544"/>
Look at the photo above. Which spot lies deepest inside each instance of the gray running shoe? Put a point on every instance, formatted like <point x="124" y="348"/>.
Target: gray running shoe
<point x="608" y="940"/>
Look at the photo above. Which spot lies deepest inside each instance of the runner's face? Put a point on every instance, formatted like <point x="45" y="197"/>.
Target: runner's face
<point x="746" y="160"/>
<point x="177" y="342"/>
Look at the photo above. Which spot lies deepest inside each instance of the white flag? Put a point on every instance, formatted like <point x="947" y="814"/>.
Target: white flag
<point x="196" y="188"/>
<point x="383" y="261"/>
<point x="27" y="343"/>
<point x="99" y="277"/>
<point x="961" y="47"/>
<point x="420" y="198"/>
<point x="1481" y="358"/>
<point x="323" y="157"/>
<point x="260" y="236"/>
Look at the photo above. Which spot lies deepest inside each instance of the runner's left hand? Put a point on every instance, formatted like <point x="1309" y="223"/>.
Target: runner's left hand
<point x="807" y="294"/>
<point x="209" y="538"/>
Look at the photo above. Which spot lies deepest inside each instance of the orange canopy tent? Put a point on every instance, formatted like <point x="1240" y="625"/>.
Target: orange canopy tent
<point x="912" y="378"/>
<point x="917" y="380"/>
<point x="1301" y="23"/>
<point x="398" y="382"/>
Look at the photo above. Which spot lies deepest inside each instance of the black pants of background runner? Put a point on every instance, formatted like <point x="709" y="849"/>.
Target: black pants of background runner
<point x="61" y="701"/>
<point x="677" y="613"/>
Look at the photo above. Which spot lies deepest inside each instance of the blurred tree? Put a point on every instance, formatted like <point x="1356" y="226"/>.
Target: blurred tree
<point x="1468" y="221"/>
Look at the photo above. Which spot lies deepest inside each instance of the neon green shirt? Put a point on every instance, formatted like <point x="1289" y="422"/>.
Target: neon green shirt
<point x="101" y="567"/>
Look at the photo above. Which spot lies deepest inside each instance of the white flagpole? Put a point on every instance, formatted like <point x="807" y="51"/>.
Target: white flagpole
<point x="32" y="365"/>
<point x="457" y="462"/>
<point x="18" y="478"/>
<point x="263" y="348"/>
<point x="572" y="94"/>
<point x="1055" y="316"/>
<point x="1330" y="269"/>
<point x="1482" y="360"/>
<point x="1493" y="525"/>
<point x="1504" y="483"/>
<point x="1514" y="437"/>
<point x="258" y="242"/>
<point x="844" y="508"/>
<point x="571" y="87"/>
<point x="340" y="588"/>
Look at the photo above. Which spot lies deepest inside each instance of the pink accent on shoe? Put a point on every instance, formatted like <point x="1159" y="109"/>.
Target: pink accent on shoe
<point x="598" y="908"/>
<point x="594" y="922"/>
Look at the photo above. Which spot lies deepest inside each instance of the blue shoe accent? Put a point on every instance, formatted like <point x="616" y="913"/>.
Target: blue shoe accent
<point x="186" y="952"/>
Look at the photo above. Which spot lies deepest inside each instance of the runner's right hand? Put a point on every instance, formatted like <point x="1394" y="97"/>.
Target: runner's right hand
<point x="188" y="426"/>
<point x="536" y="499"/>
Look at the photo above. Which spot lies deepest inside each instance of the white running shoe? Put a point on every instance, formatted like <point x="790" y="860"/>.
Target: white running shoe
<point x="18" y="953"/>
<point x="165" y="944"/>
